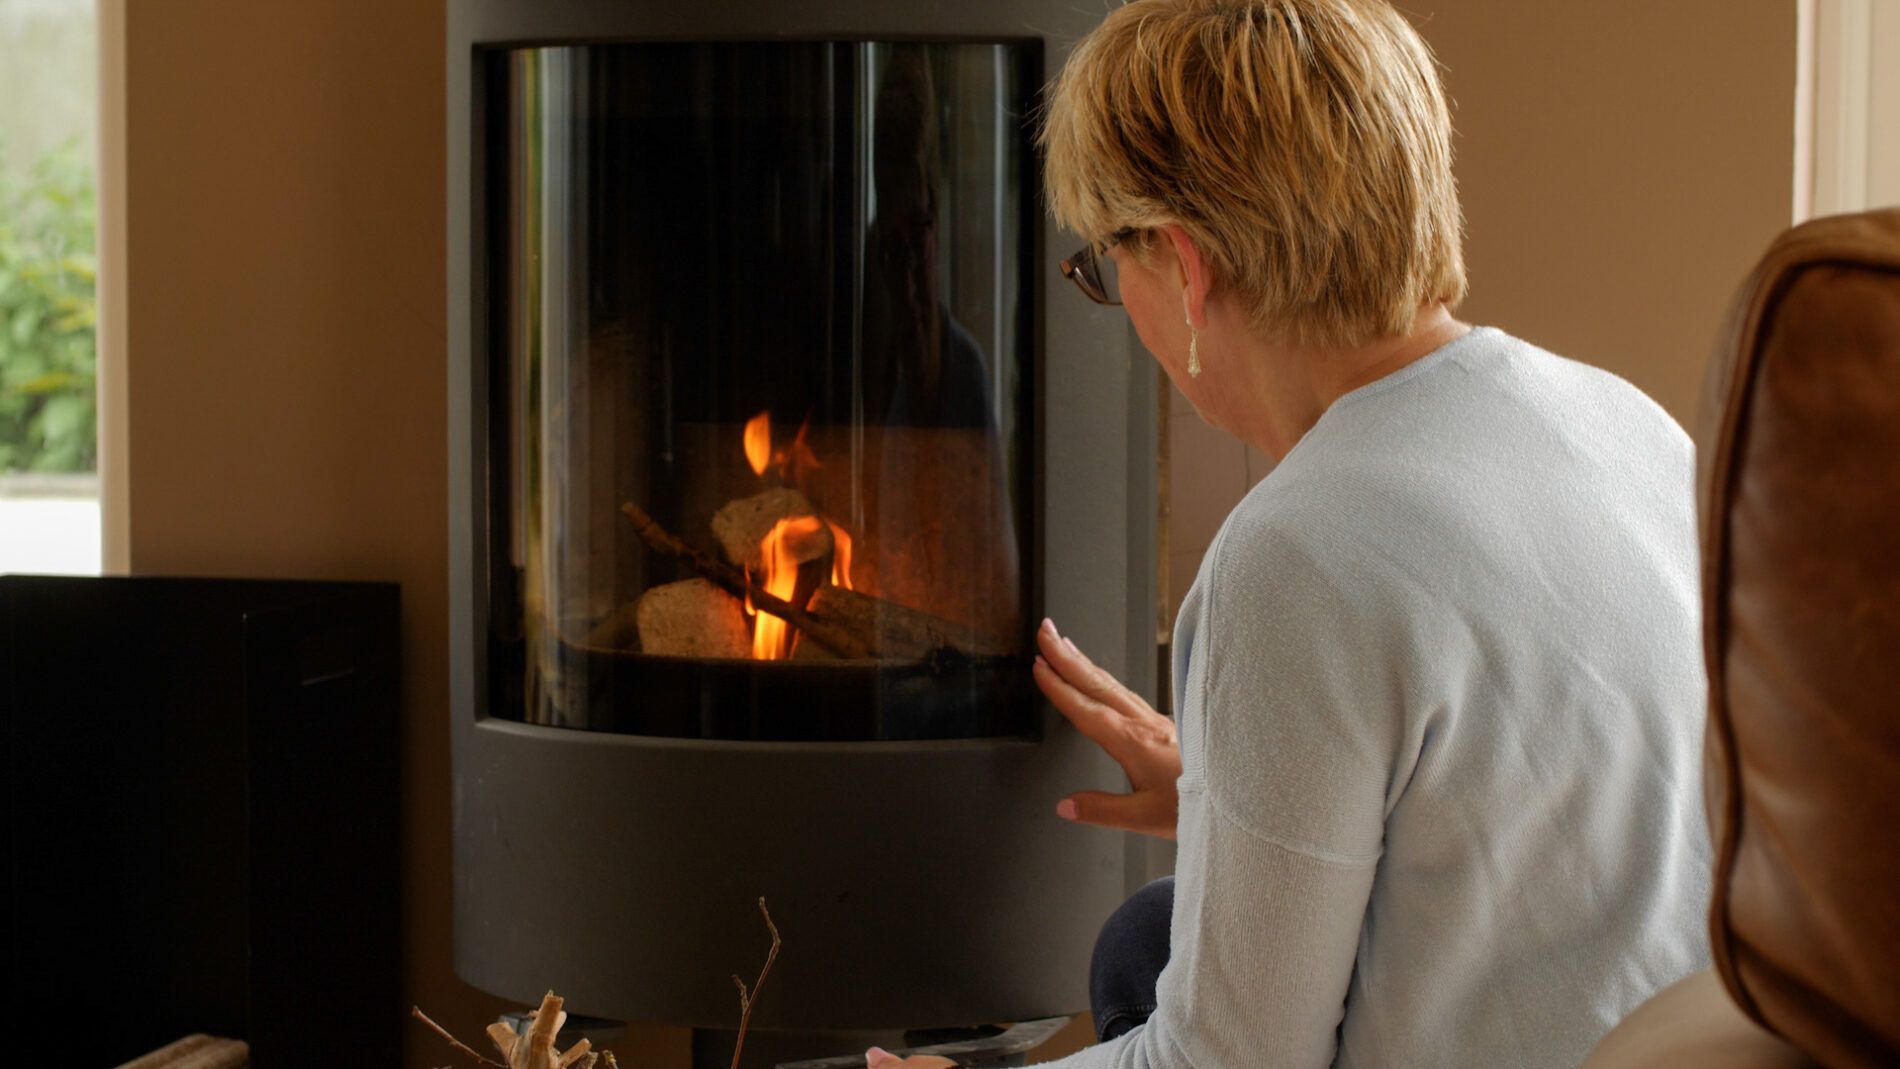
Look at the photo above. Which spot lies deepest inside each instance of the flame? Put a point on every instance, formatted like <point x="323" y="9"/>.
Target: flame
<point x="840" y="556"/>
<point x="771" y="636"/>
<point x="758" y="442"/>
<point x="800" y="459"/>
<point x="795" y="463"/>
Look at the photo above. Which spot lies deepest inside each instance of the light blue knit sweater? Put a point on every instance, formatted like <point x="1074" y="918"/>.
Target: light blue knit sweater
<point x="1440" y="703"/>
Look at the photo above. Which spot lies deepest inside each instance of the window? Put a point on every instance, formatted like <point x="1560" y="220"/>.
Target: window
<point x="49" y="485"/>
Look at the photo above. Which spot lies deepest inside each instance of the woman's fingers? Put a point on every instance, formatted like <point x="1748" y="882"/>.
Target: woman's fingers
<point x="879" y="1058"/>
<point x="1147" y="812"/>
<point x="1084" y="675"/>
<point x="1141" y="740"/>
<point x="1101" y="724"/>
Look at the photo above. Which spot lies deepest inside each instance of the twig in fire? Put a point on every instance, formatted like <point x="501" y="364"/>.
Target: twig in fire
<point x="826" y="633"/>
<point x="749" y="999"/>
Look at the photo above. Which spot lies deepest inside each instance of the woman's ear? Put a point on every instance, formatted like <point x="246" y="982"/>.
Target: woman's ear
<point x="1196" y="274"/>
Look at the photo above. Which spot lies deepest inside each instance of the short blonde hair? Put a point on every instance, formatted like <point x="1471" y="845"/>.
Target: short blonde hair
<point x="1305" y="145"/>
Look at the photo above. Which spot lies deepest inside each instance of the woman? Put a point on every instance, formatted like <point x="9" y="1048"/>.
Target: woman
<point x="1438" y="682"/>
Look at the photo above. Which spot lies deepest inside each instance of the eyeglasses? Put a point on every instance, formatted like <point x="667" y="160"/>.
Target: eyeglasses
<point x="1093" y="272"/>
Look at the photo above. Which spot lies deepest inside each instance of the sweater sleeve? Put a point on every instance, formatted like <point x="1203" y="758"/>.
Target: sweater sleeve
<point x="1290" y="737"/>
<point x="1262" y="962"/>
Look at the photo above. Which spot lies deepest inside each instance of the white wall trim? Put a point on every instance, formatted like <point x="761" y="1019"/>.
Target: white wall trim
<point x="1806" y="15"/>
<point x="1883" y="108"/>
<point x="1847" y="90"/>
<point x="115" y="481"/>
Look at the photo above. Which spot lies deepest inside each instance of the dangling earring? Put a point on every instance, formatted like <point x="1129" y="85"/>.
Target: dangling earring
<point x="1194" y="351"/>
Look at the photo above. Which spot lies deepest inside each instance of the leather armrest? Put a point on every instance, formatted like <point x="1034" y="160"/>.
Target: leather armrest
<point x="1693" y="1022"/>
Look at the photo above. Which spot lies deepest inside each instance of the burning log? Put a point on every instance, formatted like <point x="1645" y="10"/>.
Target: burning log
<point x="899" y="632"/>
<point x="692" y="618"/>
<point x="841" y="640"/>
<point x="847" y="623"/>
<point x="618" y="630"/>
<point x="742" y="525"/>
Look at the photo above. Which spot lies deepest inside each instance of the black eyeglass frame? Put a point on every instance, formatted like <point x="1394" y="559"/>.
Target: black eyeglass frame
<point x="1083" y="270"/>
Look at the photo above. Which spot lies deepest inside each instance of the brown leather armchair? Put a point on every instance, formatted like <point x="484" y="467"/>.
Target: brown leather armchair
<point x="1799" y="488"/>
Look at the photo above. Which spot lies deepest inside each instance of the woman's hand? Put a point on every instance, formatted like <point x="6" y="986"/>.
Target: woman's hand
<point x="879" y="1058"/>
<point x="1141" y="740"/>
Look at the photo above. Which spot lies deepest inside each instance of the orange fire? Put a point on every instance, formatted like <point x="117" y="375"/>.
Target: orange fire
<point x="773" y="638"/>
<point x="758" y="442"/>
<point x="796" y="462"/>
<point x="841" y="556"/>
<point x="800" y="458"/>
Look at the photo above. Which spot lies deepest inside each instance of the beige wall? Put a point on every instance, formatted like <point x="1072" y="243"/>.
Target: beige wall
<point x="1622" y="162"/>
<point x="286" y="392"/>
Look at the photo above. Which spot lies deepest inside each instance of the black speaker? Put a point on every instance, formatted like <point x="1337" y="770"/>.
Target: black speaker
<point x="203" y="817"/>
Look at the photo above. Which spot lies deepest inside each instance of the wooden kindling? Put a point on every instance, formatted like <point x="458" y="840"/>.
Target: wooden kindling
<point x="533" y="1049"/>
<point x="196" y="1052"/>
<point x="847" y="623"/>
<point x="840" y="640"/>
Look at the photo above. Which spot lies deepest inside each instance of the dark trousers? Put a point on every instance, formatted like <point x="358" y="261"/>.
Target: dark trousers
<point x="1129" y="956"/>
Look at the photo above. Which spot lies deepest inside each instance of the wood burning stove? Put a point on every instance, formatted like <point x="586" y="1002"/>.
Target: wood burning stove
<point x="771" y="298"/>
<point x="768" y="450"/>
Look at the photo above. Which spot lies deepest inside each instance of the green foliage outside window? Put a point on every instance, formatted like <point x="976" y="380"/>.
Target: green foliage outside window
<point x="47" y="315"/>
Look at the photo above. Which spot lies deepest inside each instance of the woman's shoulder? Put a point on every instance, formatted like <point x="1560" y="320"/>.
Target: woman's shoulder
<point x="1549" y="393"/>
<point x="1310" y="543"/>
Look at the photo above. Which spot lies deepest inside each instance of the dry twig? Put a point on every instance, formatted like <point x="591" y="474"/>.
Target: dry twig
<point x="534" y="1049"/>
<point x="416" y="1012"/>
<point x="748" y="999"/>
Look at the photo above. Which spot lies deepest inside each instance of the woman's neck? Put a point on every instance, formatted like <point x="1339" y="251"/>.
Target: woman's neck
<point x="1281" y="390"/>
